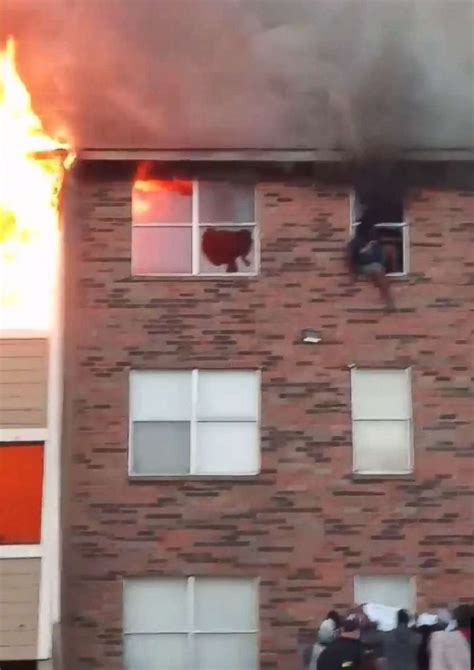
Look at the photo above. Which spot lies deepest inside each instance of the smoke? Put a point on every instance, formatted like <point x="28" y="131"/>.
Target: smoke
<point x="358" y="74"/>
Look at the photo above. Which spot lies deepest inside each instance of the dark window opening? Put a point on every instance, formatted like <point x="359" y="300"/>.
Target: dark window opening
<point x="381" y="207"/>
<point x="384" y="209"/>
<point x="393" y="244"/>
<point x="18" y="665"/>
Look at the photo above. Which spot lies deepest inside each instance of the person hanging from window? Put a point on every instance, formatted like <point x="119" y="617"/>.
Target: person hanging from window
<point x="367" y="256"/>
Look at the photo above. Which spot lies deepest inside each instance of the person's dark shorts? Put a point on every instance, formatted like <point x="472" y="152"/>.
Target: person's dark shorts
<point x="372" y="269"/>
<point x="373" y="261"/>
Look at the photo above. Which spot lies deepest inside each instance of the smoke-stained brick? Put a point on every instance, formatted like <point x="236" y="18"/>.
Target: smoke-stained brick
<point x="304" y="525"/>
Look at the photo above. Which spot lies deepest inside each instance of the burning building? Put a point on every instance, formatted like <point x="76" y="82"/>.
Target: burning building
<point x="229" y="478"/>
<point x="248" y="439"/>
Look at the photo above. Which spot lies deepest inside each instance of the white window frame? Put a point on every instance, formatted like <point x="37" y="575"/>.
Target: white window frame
<point x="193" y="431"/>
<point x="404" y="225"/>
<point x="409" y="420"/>
<point x="191" y="632"/>
<point x="411" y="583"/>
<point x="196" y="227"/>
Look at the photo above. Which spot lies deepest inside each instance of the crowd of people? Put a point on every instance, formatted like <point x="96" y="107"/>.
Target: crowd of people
<point x="355" y="642"/>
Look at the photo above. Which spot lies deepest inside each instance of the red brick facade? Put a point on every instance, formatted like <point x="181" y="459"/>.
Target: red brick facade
<point x="305" y="526"/>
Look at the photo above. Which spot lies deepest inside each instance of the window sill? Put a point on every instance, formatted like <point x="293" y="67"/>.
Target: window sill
<point x="192" y="478"/>
<point x="404" y="476"/>
<point x="398" y="276"/>
<point x="189" y="278"/>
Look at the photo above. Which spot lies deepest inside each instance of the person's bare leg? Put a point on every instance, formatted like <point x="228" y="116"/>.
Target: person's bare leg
<point x="382" y="283"/>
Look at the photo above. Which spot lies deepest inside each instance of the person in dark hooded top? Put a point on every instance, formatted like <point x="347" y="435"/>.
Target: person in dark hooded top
<point x="367" y="256"/>
<point x="401" y="645"/>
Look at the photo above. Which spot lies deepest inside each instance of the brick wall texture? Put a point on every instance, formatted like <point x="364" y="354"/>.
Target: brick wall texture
<point x="305" y="525"/>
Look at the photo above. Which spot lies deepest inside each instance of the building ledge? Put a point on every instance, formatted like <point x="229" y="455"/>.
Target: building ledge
<point x="264" y="155"/>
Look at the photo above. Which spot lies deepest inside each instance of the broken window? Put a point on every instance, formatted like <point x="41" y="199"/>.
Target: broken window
<point x="387" y="209"/>
<point x="193" y="227"/>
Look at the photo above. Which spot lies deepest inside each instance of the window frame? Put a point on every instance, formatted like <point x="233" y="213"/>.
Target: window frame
<point x="196" y="226"/>
<point x="191" y="632"/>
<point x="403" y="225"/>
<point x="411" y="579"/>
<point x="194" y="421"/>
<point x="408" y="420"/>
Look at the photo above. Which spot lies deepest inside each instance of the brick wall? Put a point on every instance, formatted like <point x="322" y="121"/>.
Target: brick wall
<point x="305" y="525"/>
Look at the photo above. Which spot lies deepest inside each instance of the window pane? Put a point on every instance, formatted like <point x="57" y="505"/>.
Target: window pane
<point x="160" y="394"/>
<point x="381" y="446"/>
<point x="225" y="604"/>
<point x="227" y="250"/>
<point x="381" y="394"/>
<point x="391" y="591"/>
<point x="162" y="201"/>
<point x="155" y="605"/>
<point x="161" y="448"/>
<point x="227" y="448"/>
<point x="383" y="203"/>
<point x="155" y="652"/>
<point x="161" y="250"/>
<point x="223" y="202"/>
<point x="226" y="652"/>
<point x="228" y="394"/>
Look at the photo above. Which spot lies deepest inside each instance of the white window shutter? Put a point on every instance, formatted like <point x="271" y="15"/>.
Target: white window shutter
<point x="160" y="395"/>
<point x="228" y="394"/>
<point x="226" y="652"/>
<point x="225" y="605"/>
<point x="227" y="448"/>
<point x="160" y="652"/>
<point x="155" y="605"/>
<point x="382" y="446"/>
<point x="381" y="394"/>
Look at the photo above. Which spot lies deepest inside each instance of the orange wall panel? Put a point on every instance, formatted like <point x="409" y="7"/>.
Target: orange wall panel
<point x="21" y="483"/>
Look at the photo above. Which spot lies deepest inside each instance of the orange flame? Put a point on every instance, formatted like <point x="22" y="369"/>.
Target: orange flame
<point x="32" y="167"/>
<point x="146" y="184"/>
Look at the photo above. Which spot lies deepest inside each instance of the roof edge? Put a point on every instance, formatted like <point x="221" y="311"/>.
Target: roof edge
<point x="266" y="155"/>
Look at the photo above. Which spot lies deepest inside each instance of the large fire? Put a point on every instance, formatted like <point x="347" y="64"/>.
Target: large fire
<point x="31" y="172"/>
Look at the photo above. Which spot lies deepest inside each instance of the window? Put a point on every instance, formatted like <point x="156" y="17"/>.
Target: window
<point x="21" y="481"/>
<point x="194" y="422"/>
<point x="393" y="229"/>
<point x="381" y="421"/>
<point x="193" y="228"/>
<point x="197" y="623"/>
<point x="393" y="591"/>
